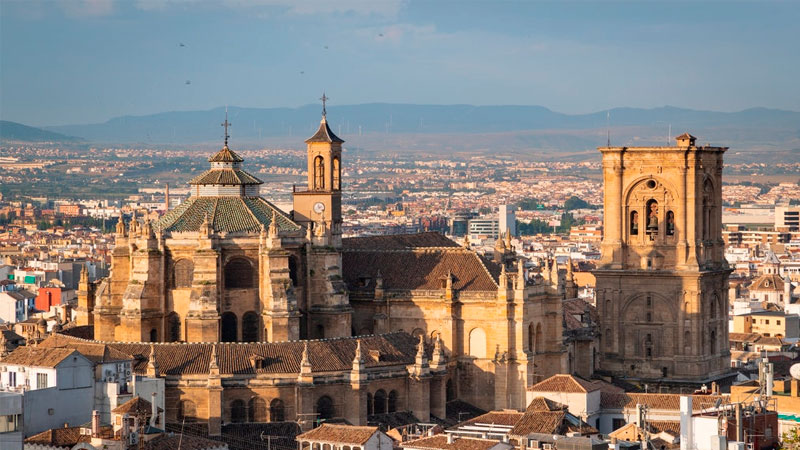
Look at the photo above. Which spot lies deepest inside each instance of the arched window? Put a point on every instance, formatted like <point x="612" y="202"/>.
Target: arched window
<point x="670" y="223"/>
<point x="183" y="273"/>
<point x="337" y="175"/>
<point x="153" y="335"/>
<point x="238" y="412"/>
<point x="325" y="409"/>
<point x="450" y="391"/>
<point x="173" y="327"/>
<point x="607" y="338"/>
<point x="708" y="208"/>
<point x="250" y="327"/>
<point x="687" y="342"/>
<point x="257" y="410"/>
<point x="187" y="411"/>
<point x="537" y="342"/>
<point x="634" y="226"/>
<point x="370" y="405"/>
<point x="293" y="274"/>
<point x="652" y="219"/>
<point x="391" y="403"/>
<point x="229" y="327"/>
<point x="276" y="411"/>
<point x="713" y="341"/>
<point x="320" y="331"/>
<point x="477" y="343"/>
<point x="380" y="401"/>
<point x="238" y="274"/>
<point x="319" y="173"/>
<point x="531" y="338"/>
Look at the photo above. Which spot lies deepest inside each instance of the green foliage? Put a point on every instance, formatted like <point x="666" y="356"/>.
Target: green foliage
<point x="790" y="440"/>
<point x="484" y="210"/>
<point x="529" y="204"/>
<point x="575" y="203"/>
<point x="536" y="226"/>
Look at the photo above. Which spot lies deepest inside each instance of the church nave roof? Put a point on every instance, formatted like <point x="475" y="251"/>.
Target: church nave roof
<point x="225" y="214"/>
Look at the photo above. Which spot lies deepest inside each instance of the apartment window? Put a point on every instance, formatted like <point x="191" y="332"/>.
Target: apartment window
<point x="10" y="423"/>
<point x="41" y="381"/>
<point x="12" y="379"/>
<point x="766" y="322"/>
<point x="778" y="322"/>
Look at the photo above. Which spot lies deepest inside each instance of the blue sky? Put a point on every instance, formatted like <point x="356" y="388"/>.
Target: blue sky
<point x="82" y="61"/>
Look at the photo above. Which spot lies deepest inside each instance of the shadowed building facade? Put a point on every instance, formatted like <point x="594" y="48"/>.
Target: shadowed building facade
<point x="662" y="282"/>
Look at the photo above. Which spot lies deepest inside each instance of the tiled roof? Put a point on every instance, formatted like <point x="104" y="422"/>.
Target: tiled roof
<point x="439" y="442"/>
<point x="59" y="437"/>
<point x="137" y="406"/>
<point x="545" y="404"/>
<point x="668" y="402"/>
<point x="324" y="134"/>
<point x="398" y="241"/>
<point x="743" y="337"/>
<point x="225" y="177"/>
<point x="508" y="417"/>
<point x="563" y="383"/>
<point x="182" y="442"/>
<point x="767" y="282"/>
<point x="225" y="155"/>
<point x="576" y="306"/>
<point x="37" y="356"/>
<point x="95" y="352"/>
<point x="228" y="214"/>
<point x="278" y="357"/>
<point x="418" y="268"/>
<point x="339" y="434"/>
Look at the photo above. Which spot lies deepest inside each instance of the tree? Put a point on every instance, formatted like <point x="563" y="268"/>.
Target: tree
<point x="528" y="204"/>
<point x="575" y="203"/>
<point x="790" y="440"/>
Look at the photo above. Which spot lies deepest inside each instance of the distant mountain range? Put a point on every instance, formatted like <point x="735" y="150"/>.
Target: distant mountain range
<point x="452" y="128"/>
<point x="12" y="131"/>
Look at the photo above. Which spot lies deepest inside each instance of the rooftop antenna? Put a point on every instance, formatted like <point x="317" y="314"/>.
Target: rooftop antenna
<point x="669" y="134"/>
<point x="608" y="129"/>
<point x="324" y="99"/>
<point x="226" y="124"/>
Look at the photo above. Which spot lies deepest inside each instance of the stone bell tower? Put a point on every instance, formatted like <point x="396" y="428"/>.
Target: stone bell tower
<point x="319" y="208"/>
<point x="662" y="282"/>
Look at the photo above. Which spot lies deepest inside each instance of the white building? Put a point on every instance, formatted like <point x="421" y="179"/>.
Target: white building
<point x="345" y="437"/>
<point x="507" y="219"/>
<point x="13" y="307"/>
<point x="11" y="421"/>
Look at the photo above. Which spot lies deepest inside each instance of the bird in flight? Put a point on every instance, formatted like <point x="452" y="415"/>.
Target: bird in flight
<point x="182" y="44"/>
<point x="188" y="81"/>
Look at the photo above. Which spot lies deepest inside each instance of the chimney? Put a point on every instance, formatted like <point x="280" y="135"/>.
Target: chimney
<point x="95" y="423"/>
<point x="125" y="430"/>
<point x="154" y="412"/>
<point x="795" y="387"/>
<point x="450" y="438"/>
<point x="166" y="197"/>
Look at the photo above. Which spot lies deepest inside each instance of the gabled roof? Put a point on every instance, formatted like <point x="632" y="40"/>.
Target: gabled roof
<point x="225" y="155"/>
<point x="505" y="417"/>
<point x="39" y="356"/>
<point x="415" y="262"/>
<point x="228" y="214"/>
<point x="564" y="383"/>
<point x="767" y="282"/>
<point x="136" y="406"/>
<point x="59" y="437"/>
<point x="95" y="352"/>
<point x="667" y="402"/>
<point x="324" y="134"/>
<point x="771" y="258"/>
<point x="686" y="136"/>
<point x="339" y="434"/>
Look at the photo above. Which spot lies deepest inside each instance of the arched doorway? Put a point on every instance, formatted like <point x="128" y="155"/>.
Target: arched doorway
<point x="391" y="402"/>
<point x="325" y="409"/>
<point x="229" y="327"/>
<point x="276" y="411"/>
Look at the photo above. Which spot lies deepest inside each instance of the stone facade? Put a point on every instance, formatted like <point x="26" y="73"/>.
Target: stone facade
<point x="228" y="266"/>
<point x="662" y="282"/>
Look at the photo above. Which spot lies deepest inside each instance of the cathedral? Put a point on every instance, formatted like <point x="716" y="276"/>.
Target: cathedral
<point x="276" y="307"/>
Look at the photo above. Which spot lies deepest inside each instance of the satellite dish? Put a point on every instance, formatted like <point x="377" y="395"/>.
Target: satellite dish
<point x="795" y="371"/>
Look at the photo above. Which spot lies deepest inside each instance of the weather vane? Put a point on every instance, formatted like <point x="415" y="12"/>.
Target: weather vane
<point x="226" y="124"/>
<point x="324" y="99"/>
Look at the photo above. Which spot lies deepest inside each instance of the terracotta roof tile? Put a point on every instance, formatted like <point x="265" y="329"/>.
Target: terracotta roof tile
<point x="37" y="356"/>
<point x="669" y="402"/>
<point x="136" y="406"/>
<point x="439" y="442"/>
<point x="59" y="437"/>
<point x="495" y="418"/>
<point x="339" y="434"/>
<point x="563" y="383"/>
<point x="225" y="155"/>
<point x="95" y="352"/>
<point x="419" y="268"/>
<point x="277" y="357"/>
<point x="186" y="442"/>
<point x="398" y="241"/>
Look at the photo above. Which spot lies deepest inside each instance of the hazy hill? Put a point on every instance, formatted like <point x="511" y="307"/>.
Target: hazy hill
<point x="13" y="131"/>
<point x="461" y="127"/>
